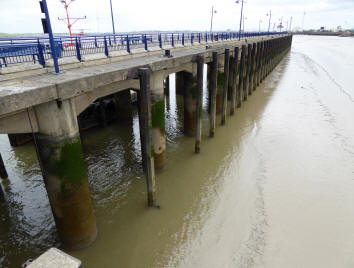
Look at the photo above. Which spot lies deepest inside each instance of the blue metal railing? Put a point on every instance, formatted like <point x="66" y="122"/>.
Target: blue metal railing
<point x="26" y="49"/>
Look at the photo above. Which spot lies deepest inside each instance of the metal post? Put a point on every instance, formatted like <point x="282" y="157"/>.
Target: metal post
<point x="241" y="73"/>
<point x="213" y="88"/>
<point x="114" y="32"/>
<point x="146" y="135"/>
<point x="105" y="47"/>
<point x="234" y="84"/>
<point x="198" y="133"/>
<point x="160" y="41"/>
<point x="78" y="53"/>
<point x="51" y="38"/>
<point x="239" y="37"/>
<point x="270" y="17"/>
<point x="145" y="43"/>
<point x="226" y="84"/>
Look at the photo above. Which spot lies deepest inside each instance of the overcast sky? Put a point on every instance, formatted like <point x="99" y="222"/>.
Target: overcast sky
<point x="23" y="16"/>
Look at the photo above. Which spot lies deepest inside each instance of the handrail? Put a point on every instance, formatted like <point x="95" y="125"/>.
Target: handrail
<point x="37" y="49"/>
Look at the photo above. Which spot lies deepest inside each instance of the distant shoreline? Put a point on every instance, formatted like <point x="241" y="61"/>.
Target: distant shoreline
<point x="325" y="33"/>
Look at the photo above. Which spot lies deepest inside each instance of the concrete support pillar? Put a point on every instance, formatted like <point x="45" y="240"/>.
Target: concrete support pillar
<point x="212" y="90"/>
<point x="226" y="85"/>
<point x="241" y="75"/>
<point x="234" y="71"/>
<point x="245" y="76"/>
<point x="258" y="62"/>
<point x="253" y="67"/>
<point x="65" y="173"/>
<point x="145" y="124"/>
<point x="124" y="105"/>
<point x="220" y="88"/>
<point x="190" y="102"/>
<point x="199" y="103"/>
<point x="248" y="70"/>
<point x="166" y="86"/>
<point x="158" y="120"/>
<point x="3" y="172"/>
<point x="231" y="77"/>
<point x="264" y="60"/>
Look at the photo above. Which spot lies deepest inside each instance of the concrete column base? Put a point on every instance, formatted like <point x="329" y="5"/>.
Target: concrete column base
<point x="65" y="173"/>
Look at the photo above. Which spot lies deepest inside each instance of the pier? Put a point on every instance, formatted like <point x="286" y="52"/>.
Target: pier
<point x="47" y="106"/>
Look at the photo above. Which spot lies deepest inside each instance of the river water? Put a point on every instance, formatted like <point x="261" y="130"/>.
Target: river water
<point x="274" y="188"/>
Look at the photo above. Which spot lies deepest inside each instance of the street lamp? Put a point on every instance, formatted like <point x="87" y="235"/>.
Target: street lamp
<point x="243" y="30"/>
<point x="212" y="17"/>
<point x="270" y="17"/>
<point x="242" y="2"/>
<point x="259" y="30"/>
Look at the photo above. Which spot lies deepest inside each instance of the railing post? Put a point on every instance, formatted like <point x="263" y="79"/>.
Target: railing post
<point x="128" y="44"/>
<point x="145" y="42"/>
<point x="105" y="47"/>
<point x="199" y="38"/>
<point x="41" y="59"/>
<point x="160" y="41"/>
<point x="78" y="53"/>
<point x="192" y="37"/>
<point x="183" y="39"/>
<point x="109" y="39"/>
<point x="96" y="42"/>
<point x="206" y="37"/>
<point x="172" y="41"/>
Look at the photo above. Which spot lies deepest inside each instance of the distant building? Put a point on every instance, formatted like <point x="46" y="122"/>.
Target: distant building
<point x="322" y="29"/>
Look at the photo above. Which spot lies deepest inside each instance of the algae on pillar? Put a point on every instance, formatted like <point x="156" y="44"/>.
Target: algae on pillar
<point x="65" y="173"/>
<point x="158" y="120"/>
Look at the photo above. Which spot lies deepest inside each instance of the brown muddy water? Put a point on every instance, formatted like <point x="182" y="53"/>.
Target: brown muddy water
<point x="274" y="188"/>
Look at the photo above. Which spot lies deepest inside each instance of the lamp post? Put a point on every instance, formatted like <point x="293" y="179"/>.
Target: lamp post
<point x="51" y="37"/>
<point x="243" y="29"/>
<point x="270" y="17"/>
<point x="212" y="17"/>
<point x="259" y="30"/>
<point x="291" y="22"/>
<point x="114" y="31"/>
<point x="242" y="2"/>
